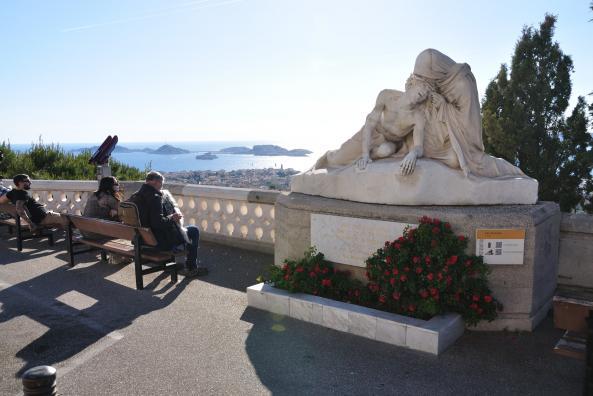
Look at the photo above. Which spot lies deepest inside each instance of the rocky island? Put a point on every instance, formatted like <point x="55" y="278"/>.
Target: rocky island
<point x="206" y="156"/>
<point x="165" y="149"/>
<point x="266" y="150"/>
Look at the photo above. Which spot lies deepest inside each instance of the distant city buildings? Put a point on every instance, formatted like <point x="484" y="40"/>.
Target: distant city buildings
<point x="267" y="179"/>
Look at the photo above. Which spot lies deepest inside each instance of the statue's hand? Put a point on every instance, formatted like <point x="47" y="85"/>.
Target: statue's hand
<point x="361" y="164"/>
<point x="437" y="100"/>
<point x="408" y="164"/>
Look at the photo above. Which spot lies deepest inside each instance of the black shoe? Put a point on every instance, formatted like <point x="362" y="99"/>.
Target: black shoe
<point x="194" y="273"/>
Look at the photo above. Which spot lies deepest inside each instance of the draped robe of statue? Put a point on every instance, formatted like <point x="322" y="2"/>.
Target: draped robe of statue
<point x="459" y="117"/>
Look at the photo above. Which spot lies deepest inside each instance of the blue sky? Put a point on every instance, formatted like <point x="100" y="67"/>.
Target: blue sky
<point x="300" y="72"/>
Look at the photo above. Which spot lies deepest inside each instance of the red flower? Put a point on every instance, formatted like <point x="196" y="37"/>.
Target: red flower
<point x="396" y="295"/>
<point x="475" y="298"/>
<point x="427" y="259"/>
<point x="411" y="307"/>
<point x="423" y="293"/>
<point x="356" y="293"/>
<point x="440" y="276"/>
<point x="448" y="226"/>
<point x="449" y="280"/>
<point x="285" y="267"/>
<point x="488" y="299"/>
<point x="397" y="245"/>
<point x="435" y="230"/>
<point x="403" y="278"/>
<point x="452" y="260"/>
<point x="473" y="306"/>
<point x="418" y="270"/>
<point x="436" y="221"/>
<point x="388" y="259"/>
<point x="286" y="277"/>
<point x="461" y="238"/>
<point x="401" y="239"/>
<point x="430" y="276"/>
<point x="416" y="259"/>
<point x="433" y="291"/>
<point x="406" y="269"/>
<point x="392" y="281"/>
<point x="326" y="282"/>
<point x="468" y="263"/>
<point x="387" y="272"/>
<point x="395" y="271"/>
<point x="382" y="299"/>
<point x="425" y="219"/>
<point x="312" y="274"/>
<point x="325" y="270"/>
<point x="299" y="269"/>
<point x="387" y="243"/>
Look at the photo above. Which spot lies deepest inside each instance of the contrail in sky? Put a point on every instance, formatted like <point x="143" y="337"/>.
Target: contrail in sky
<point x="192" y="5"/>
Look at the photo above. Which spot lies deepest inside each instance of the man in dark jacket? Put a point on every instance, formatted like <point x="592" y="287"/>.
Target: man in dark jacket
<point x="166" y="228"/>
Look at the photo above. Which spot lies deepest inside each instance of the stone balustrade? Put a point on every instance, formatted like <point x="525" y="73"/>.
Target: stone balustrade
<point x="237" y="216"/>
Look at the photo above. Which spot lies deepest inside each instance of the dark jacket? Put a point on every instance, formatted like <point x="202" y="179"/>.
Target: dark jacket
<point x="150" y="207"/>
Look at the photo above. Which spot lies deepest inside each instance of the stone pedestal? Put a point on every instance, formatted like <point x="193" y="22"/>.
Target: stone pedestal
<point x="525" y="290"/>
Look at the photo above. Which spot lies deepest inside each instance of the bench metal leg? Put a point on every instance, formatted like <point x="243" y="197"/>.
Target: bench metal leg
<point x="50" y="238"/>
<point x="69" y="244"/>
<point x="19" y="234"/>
<point x="174" y="271"/>
<point x="103" y="255"/>
<point x="138" y="263"/>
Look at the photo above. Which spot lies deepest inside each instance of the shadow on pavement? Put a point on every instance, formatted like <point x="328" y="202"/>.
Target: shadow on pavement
<point x="71" y="328"/>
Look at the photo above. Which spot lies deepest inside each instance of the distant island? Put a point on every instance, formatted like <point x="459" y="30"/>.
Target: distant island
<point x="207" y="156"/>
<point x="266" y="150"/>
<point x="165" y="149"/>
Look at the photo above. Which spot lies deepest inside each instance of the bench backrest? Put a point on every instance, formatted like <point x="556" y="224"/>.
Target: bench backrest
<point x="109" y="229"/>
<point x="8" y="208"/>
<point x="128" y="212"/>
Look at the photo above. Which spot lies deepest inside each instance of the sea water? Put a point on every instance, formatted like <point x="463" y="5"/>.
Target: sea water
<point x="188" y="162"/>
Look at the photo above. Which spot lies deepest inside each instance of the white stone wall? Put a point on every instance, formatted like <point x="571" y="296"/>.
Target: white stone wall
<point x="235" y="216"/>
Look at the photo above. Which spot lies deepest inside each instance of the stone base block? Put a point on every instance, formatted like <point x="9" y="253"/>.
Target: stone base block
<point x="525" y="289"/>
<point x="431" y="336"/>
<point x="432" y="183"/>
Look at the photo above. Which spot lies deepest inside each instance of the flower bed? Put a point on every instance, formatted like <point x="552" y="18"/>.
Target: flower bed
<point x="423" y="273"/>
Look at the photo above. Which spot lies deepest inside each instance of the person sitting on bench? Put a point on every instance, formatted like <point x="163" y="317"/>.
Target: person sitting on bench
<point x="166" y="228"/>
<point x="28" y="208"/>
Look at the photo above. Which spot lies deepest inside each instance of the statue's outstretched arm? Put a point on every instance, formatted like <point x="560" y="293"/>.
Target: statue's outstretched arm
<point x="408" y="164"/>
<point x="367" y="130"/>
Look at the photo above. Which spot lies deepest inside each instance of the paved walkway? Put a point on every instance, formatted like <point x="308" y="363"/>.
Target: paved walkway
<point x="199" y="338"/>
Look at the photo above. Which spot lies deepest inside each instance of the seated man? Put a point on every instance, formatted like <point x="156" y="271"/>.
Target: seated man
<point x="30" y="210"/>
<point x="166" y="228"/>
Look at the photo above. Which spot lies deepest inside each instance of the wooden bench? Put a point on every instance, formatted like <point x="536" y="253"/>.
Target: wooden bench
<point x="23" y="231"/>
<point x="125" y="240"/>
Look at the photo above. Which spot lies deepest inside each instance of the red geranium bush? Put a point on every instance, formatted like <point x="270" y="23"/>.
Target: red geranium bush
<point x="314" y="275"/>
<point x="426" y="272"/>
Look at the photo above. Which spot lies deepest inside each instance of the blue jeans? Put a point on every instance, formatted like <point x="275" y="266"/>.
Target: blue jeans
<point x="192" y="249"/>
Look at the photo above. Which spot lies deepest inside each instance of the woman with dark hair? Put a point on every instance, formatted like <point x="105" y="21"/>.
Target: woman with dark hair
<point x="104" y="202"/>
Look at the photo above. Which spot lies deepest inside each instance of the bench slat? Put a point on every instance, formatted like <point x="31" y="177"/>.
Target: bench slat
<point x="107" y="228"/>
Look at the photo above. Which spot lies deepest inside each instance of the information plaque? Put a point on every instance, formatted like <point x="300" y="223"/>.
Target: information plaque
<point x="501" y="246"/>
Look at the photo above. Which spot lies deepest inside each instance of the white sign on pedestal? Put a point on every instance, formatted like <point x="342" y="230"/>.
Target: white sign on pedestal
<point x="350" y="240"/>
<point x="501" y="246"/>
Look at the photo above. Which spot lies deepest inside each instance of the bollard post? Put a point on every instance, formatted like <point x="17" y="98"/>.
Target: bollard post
<point x="40" y="381"/>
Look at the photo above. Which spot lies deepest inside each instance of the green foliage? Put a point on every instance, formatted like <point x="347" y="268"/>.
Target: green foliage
<point x="524" y="120"/>
<point x="51" y="162"/>
<point x="426" y="272"/>
<point x="314" y="275"/>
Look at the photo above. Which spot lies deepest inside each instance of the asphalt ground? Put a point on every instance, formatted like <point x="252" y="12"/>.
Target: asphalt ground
<point x="199" y="337"/>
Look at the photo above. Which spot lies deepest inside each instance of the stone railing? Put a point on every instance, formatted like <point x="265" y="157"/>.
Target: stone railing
<point x="236" y="216"/>
<point x="576" y="251"/>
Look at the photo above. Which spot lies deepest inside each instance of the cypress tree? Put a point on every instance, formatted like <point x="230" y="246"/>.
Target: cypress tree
<point x="524" y="119"/>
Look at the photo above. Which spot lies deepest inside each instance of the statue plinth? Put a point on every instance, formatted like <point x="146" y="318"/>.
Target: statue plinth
<point x="432" y="183"/>
<point x="525" y="289"/>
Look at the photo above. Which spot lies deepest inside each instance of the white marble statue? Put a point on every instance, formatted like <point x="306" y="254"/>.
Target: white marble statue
<point x="421" y="147"/>
<point x="437" y="117"/>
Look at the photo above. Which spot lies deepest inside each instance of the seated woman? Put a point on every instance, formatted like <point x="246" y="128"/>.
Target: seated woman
<point x="103" y="203"/>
